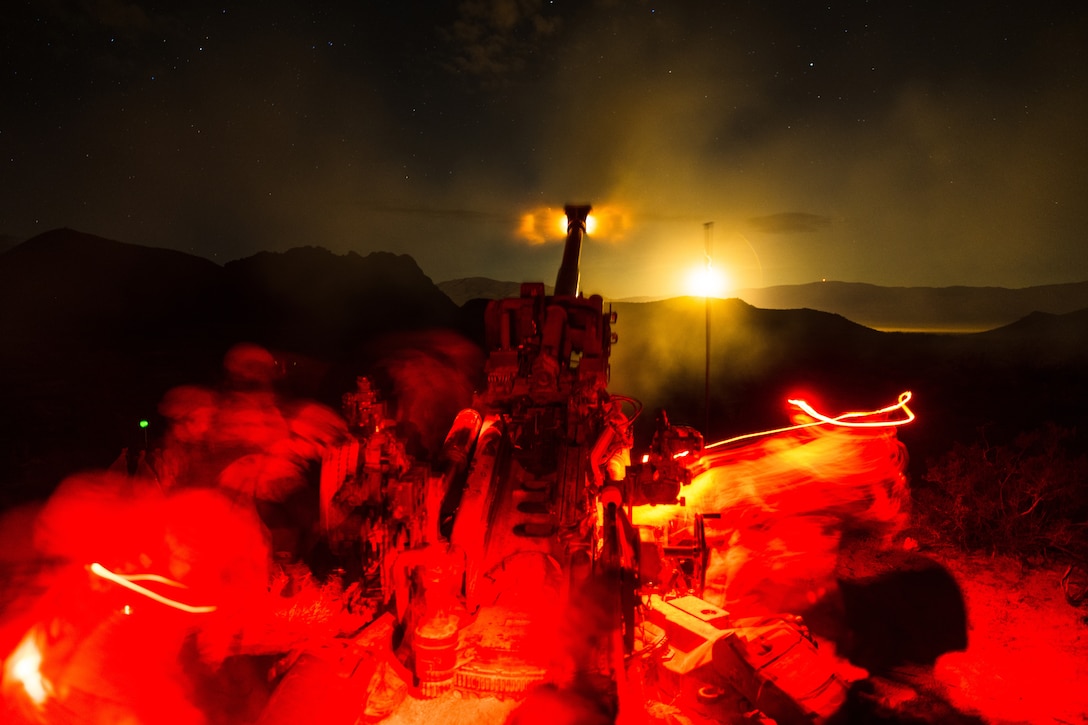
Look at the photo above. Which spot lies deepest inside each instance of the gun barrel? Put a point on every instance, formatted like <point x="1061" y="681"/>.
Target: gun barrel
<point x="568" y="279"/>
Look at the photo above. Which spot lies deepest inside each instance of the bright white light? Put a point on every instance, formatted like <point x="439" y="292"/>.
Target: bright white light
<point x="23" y="667"/>
<point x="707" y="282"/>
<point x="591" y="224"/>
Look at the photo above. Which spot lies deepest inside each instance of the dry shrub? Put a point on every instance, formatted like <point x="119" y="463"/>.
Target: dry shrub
<point x="1027" y="498"/>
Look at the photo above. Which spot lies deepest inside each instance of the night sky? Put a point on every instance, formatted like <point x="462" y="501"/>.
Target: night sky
<point x="895" y="143"/>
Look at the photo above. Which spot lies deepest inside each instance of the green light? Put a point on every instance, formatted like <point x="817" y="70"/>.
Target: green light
<point x="144" y="423"/>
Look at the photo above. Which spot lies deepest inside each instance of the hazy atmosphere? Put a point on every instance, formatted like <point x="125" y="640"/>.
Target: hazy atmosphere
<point x="905" y="145"/>
<point x="285" y="437"/>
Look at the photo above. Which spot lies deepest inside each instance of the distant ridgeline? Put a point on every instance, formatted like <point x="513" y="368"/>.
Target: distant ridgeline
<point x="908" y="309"/>
<point x="923" y="309"/>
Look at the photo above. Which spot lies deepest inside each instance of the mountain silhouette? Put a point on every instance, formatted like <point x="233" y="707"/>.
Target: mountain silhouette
<point x="65" y="282"/>
<point x="95" y="331"/>
<point x="312" y="300"/>
<point x="472" y="288"/>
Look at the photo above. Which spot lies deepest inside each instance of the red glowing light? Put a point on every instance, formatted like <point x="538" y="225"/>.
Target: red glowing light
<point x="24" y="667"/>
<point x="129" y="582"/>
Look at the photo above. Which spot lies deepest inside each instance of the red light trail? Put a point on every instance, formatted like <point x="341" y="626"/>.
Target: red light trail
<point x="844" y="420"/>
<point x="129" y="582"/>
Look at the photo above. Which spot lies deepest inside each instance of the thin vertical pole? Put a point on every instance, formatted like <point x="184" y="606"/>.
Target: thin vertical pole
<point x="708" y="229"/>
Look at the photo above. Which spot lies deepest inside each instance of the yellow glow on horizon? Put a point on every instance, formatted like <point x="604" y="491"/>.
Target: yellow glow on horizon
<point x="707" y="282"/>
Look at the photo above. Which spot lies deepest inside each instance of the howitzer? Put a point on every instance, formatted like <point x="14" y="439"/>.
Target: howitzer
<point x="512" y="563"/>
